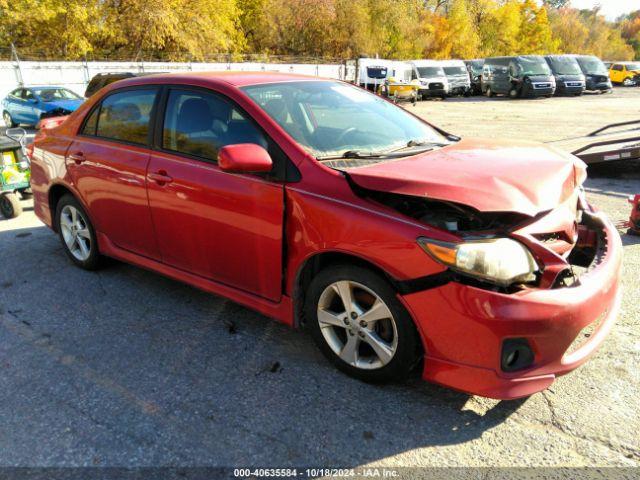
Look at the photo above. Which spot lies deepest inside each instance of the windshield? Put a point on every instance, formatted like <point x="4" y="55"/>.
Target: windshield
<point x="633" y="66"/>
<point x="331" y="118"/>
<point x="565" y="66"/>
<point x="476" y="66"/>
<point x="455" y="70"/>
<point x="592" y="65"/>
<point x="53" y="94"/>
<point x="430" y="72"/>
<point x="533" y="66"/>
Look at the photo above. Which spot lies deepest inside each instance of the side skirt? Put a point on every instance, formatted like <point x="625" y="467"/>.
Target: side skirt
<point x="281" y="311"/>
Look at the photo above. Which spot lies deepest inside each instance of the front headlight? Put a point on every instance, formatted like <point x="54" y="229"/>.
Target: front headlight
<point x="502" y="261"/>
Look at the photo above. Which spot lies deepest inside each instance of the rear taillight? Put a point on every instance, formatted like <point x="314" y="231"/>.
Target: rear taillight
<point x="53" y="122"/>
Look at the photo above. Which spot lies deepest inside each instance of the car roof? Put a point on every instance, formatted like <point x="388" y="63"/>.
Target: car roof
<point x="237" y="79"/>
<point x="44" y="87"/>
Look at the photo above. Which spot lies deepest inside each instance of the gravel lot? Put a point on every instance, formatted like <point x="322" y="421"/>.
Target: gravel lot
<point x="127" y="368"/>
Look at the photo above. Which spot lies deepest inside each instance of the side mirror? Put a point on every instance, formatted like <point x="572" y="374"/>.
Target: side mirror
<point x="244" y="158"/>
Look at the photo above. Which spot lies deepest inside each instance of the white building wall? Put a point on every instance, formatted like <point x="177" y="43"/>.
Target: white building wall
<point x="76" y="75"/>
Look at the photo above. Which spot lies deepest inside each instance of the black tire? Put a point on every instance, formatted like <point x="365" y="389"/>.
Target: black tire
<point x="10" y="206"/>
<point x="94" y="260"/>
<point x="26" y="193"/>
<point x="488" y="92"/>
<point x="408" y="351"/>
<point x="8" y="121"/>
<point x="513" y="93"/>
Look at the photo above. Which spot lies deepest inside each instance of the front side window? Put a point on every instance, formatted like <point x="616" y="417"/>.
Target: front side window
<point x="617" y="68"/>
<point x="200" y="123"/>
<point x="125" y="115"/>
<point x="331" y="118"/>
<point x="27" y="94"/>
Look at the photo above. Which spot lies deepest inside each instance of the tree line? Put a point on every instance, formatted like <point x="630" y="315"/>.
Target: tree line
<point x="336" y="29"/>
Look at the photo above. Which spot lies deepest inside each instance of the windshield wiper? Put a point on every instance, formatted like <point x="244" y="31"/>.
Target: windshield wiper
<point x="355" y="154"/>
<point x="418" y="143"/>
<point x="396" y="152"/>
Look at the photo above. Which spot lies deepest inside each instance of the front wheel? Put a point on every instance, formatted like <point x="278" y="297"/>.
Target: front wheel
<point x="10" y="206"/>
<point x="8" y="121"/>
<point x="359" y="324"/>
<point x="77" y="233"/>
<point x="488" y="92"/>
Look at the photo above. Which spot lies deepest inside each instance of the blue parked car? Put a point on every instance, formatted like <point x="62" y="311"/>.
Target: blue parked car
<point x="29" y="104"/>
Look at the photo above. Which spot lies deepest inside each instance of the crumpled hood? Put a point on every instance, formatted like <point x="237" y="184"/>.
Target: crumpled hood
<point x="488" y="175"/>
<point x="70" y="105"/>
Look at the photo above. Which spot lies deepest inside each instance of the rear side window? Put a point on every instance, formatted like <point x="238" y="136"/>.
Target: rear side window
<point x="124" y="116"/>
<point x="618" y="68"/>
<point x="200" y="123"/>
<point x="91" y="123"/>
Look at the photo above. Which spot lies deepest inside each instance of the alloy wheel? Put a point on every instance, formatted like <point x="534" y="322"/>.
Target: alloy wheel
<point x="75" y="232"/>
<point x="7" y="120"/>
<point x="357" y="325"/>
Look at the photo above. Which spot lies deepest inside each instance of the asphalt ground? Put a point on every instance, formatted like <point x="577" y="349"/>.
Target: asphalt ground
<point x="124" y="367"/>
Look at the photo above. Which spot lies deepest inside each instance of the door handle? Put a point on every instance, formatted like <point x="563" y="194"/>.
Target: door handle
<point x="77" y="157"/>
<point x="161" y="177"/>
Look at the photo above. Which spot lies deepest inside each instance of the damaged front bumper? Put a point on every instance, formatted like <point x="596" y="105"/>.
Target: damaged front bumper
<point x="466" y="329"/>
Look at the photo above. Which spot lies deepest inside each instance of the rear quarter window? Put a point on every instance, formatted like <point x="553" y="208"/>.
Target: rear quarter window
<point x="125" y="116"/>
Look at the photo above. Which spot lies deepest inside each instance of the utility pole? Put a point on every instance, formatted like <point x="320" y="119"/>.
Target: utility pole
<point x="16" y="65"/>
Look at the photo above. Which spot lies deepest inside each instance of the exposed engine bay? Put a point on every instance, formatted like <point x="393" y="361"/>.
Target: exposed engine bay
<point x="449" y="216"/>
<point x="577" y="254"/>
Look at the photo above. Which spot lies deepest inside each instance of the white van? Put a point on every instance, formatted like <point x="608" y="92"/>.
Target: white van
<point x="457" y="76"/>
<point x="432" y="79"/>
<point x="372" y="72"/>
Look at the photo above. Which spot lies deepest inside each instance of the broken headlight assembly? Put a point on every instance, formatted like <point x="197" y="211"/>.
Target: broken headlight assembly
<point x="501" y="261"/>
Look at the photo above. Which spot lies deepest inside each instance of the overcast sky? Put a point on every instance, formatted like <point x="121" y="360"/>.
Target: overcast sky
<point x="612" y="9"/>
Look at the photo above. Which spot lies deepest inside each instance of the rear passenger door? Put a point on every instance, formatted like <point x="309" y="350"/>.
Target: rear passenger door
<point x="108" y="164"/>
<point x="225" y="227"/>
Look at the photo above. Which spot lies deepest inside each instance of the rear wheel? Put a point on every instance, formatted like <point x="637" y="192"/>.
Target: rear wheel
<point x="488" y="92"/>
<point x="8" y="121"/>
<point x="513" y="92"/>
<point x="77" y="234"/>
<point x="360" y="326"/>
<point x="26" y="193"/>
<point x="10" y="206"/>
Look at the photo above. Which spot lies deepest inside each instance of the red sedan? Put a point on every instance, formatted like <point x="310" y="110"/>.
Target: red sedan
<point x="397" y="245"/>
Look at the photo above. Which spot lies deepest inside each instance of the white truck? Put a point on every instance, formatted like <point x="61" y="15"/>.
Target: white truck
<point x="457" y="76"/>
<point x="431" y="77"/>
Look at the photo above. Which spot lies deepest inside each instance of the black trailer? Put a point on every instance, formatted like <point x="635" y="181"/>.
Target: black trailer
<point x="615" y="142"/>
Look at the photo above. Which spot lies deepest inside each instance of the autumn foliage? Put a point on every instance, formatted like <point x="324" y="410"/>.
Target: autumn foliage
<point x="338" y="29"/>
